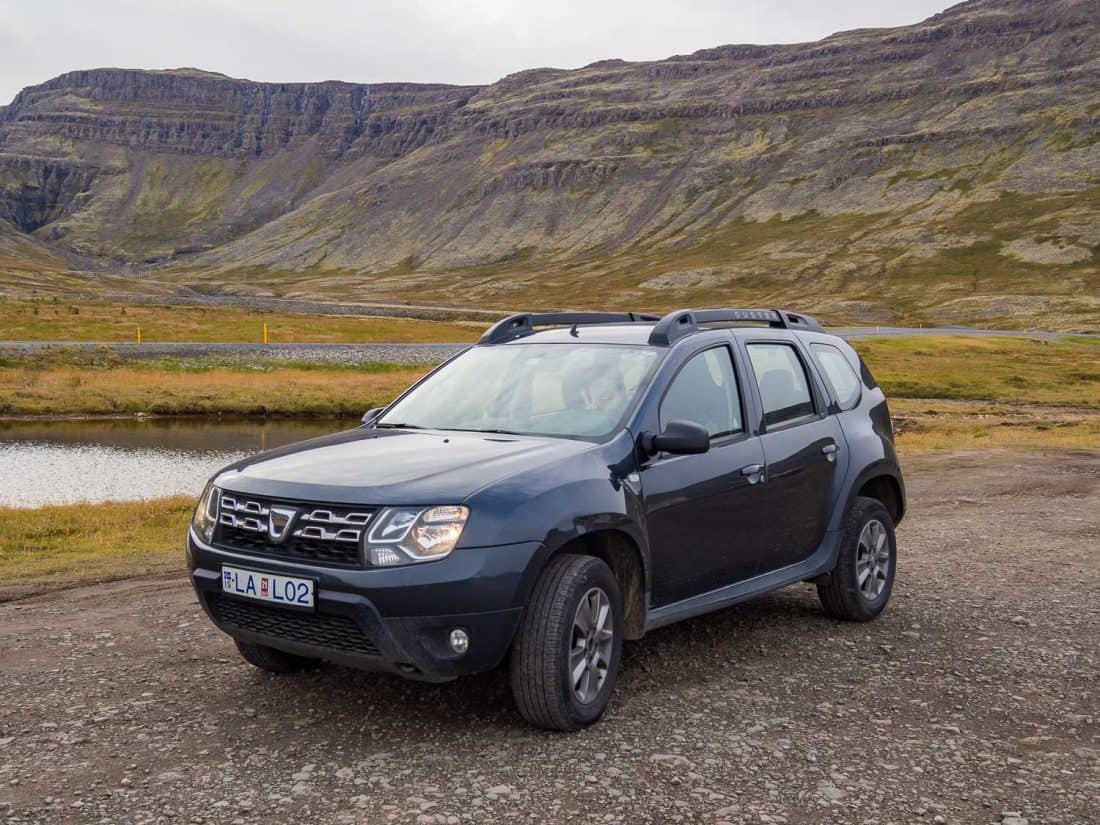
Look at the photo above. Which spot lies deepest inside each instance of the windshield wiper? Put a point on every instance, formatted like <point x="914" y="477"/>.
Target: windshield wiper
<point x="486" y="430"/>
<point x="388" y="426"/>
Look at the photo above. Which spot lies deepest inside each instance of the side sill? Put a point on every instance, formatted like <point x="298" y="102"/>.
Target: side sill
<point x="822" y="560"/>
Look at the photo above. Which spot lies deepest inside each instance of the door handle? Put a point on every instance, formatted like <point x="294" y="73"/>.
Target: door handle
<point x="830" y="451"/>
<point x="754" y="473"/>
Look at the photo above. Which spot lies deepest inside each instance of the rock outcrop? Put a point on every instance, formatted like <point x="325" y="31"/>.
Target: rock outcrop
<point x="912" y="163"/>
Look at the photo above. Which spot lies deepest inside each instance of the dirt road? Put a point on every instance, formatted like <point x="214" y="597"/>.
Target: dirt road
<point x="974" y="699"/>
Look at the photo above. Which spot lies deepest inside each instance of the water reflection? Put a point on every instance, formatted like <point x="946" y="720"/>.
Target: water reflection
<point x="61" y="462"/>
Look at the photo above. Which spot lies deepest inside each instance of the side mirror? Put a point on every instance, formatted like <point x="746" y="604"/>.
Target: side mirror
<point x="372" y="415"/>
<point x="679" y="438"/>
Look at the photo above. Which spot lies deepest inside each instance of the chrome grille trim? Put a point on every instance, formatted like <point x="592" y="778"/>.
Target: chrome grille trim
<point x="327" y="533"/>
<point x="327" y="517"/>
<point x="314" y="532"/>
<point x="229" y="506"/>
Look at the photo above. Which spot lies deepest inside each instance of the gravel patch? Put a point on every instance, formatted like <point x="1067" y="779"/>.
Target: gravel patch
<point x="351" y="354"/>
<point x="251" y="353"/>
<point x="971" y="700"/>
<point x="295" y="306"/>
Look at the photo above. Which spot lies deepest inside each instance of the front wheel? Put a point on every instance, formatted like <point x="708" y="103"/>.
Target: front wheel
<point x="859" y="587"/>
<point x="566" y="657"/>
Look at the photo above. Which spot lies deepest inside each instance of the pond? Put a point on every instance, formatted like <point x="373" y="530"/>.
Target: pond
<point x="61" y="462"/>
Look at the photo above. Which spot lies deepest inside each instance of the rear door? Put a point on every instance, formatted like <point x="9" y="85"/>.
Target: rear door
<point x="704" y="513"/>
<point x="803" y="449"/>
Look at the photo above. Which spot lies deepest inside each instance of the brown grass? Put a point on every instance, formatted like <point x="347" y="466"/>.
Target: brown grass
<point x="1011" y="370"/>
<point x="57" y="546"/>
<point x="128" y="389"/>
<point x="1004" y="394"/>
<point x="50" y="320"/>
<point x="960" y="392"/>
<point x="923" y="426"/>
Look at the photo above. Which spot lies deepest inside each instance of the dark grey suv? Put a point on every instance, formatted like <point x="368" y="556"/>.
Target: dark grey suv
<point x="571" y="481"/>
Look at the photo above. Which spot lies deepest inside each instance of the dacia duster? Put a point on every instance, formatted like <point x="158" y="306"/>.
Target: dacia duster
<point x="571" y="481"/>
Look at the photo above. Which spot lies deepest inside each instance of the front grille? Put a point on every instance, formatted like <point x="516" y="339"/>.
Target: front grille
<point x="320" y="533"/>
<point x="337" y="633"/>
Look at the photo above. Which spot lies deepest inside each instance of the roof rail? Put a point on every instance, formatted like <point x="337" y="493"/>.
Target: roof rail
<point x="524" y="323"/>
<point x="683" y="322"/>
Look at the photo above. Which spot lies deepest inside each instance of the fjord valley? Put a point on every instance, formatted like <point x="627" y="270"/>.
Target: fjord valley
<point x="938" y="173"/>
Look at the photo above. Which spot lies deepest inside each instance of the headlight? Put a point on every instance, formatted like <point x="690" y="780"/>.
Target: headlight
<point x="405" y="535"/>
<point x="206" y="512"/>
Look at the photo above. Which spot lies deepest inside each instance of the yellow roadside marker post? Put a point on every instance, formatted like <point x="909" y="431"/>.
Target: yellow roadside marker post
<point x="265" y="333"/>
<point x="139" y="335"/>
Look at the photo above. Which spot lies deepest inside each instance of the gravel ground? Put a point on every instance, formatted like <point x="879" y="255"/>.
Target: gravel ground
<point x="973" y="699"/>
<point x="252" y="353"/>
<point x="389" y="309"/>
<point x="383" y="353"/>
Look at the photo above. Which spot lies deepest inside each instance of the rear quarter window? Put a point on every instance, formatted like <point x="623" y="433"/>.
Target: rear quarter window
<point x="839" y="374"/>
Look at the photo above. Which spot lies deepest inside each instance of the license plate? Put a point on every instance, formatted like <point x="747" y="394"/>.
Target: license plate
<point x="268" y="587"/>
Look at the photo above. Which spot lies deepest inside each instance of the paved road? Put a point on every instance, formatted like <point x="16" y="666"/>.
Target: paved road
<point x="401" y="353"/>
<point x="853" y="333"/>
<point x="974" y="695"/>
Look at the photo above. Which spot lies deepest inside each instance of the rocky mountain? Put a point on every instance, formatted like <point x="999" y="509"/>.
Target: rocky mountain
<point x="944" y="171"/>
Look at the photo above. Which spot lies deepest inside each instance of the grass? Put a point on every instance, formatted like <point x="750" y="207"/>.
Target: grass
<point x="56" y="320"/>
<point x="922" y="427"/>
<point x="50" y="547"/>
<point x="926" y="264"/>
<point x="1065" y="372"/>
<point x="953" y="393"/>
<point x="1062" y="373"/>
<point x="964" y="393"/>
<point x="45" y="388"/>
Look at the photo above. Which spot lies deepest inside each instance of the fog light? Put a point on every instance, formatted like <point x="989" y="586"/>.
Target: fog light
<point x="460" y="641"/>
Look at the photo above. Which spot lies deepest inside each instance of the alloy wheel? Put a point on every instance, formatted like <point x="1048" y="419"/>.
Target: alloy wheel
<point x="872" y="560"/>
<point x="590" y="646"/>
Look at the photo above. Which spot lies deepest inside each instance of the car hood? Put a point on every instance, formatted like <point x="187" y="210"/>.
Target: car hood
<point x="369" y="466"/>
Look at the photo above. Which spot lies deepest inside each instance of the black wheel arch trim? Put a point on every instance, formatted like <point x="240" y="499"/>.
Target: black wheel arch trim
<point x="883" y="468"/>
<point x="565" y="540"/>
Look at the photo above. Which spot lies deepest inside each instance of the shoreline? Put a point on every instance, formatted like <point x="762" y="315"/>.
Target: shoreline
<point x="228" y="417"/>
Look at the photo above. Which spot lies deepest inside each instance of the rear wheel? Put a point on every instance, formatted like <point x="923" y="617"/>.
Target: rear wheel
<point x="273" y="660"/>
<point x="566" y="657"/>
<point x="859" y="587"/>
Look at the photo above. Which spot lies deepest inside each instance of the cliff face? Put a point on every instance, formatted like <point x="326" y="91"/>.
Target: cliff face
<point x="876" y="173"/>
<point x="198" y="113"/>
<point x="88" y="158"/>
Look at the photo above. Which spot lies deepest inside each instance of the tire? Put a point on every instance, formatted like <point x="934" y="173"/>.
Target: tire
<point x="841" y="591"/>
<point x="274" y="661"/>
<point x="545" y="692"/>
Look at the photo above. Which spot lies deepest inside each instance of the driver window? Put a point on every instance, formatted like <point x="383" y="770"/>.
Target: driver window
<point x="705" y="392"/>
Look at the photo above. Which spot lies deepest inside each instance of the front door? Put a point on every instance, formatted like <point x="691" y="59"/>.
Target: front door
<point x="705" y="513"/>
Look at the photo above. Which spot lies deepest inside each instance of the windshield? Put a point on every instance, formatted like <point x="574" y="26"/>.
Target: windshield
<point x="580" y="390"/>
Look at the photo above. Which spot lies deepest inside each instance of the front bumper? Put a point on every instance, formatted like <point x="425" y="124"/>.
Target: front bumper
<point x="397" y="619"/>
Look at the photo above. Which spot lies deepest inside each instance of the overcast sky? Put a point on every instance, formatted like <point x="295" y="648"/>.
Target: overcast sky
<point x="467" y="41"/>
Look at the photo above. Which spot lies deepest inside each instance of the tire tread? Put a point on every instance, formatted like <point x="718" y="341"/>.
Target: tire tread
<point x="835" y="589"/>
<point x="535" y="663"/>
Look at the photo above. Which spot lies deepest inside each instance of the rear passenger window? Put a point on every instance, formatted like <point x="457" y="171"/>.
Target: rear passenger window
<point x="784" y="387"/>
<point x="705" y="392"/>
<point x="839" y="373"/>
